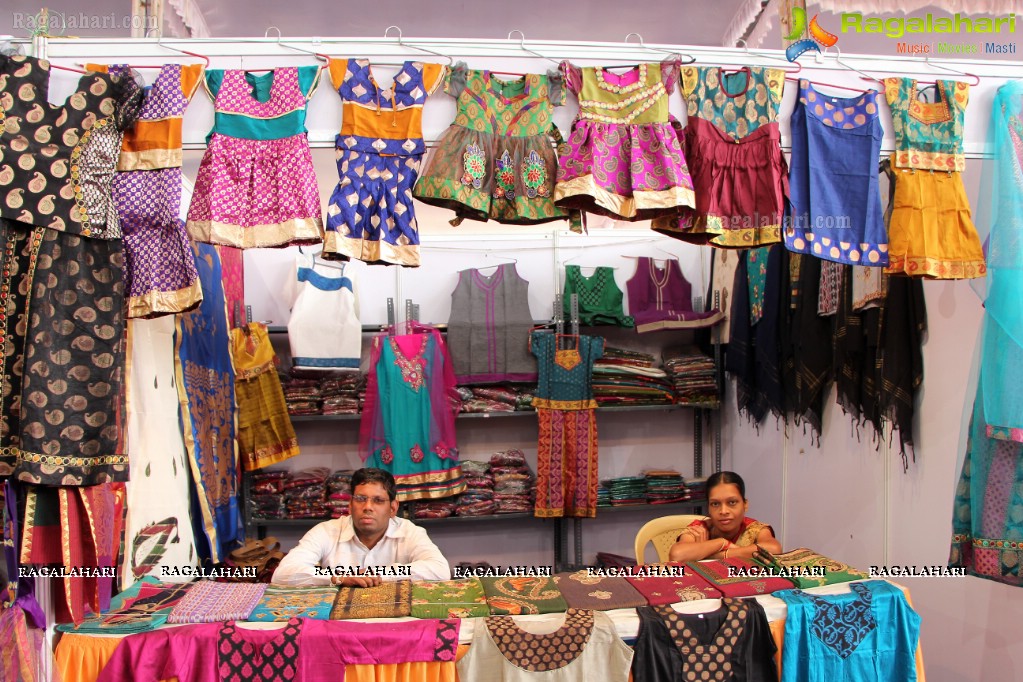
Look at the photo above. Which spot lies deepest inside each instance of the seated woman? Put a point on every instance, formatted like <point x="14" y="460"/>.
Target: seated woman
<point x="728" y="533"/>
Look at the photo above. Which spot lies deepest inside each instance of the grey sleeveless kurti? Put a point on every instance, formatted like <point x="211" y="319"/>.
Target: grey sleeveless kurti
<point x="488" y="331"/>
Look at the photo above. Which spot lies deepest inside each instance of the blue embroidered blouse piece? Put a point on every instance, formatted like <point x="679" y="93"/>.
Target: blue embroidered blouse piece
<point x="868" y="633"/>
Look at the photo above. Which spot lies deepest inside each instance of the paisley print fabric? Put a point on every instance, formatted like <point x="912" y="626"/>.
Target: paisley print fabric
<point x="285" y="603"/>
<point x="57" y="161"/>
<point x="72" y="406"/>
<point x="21" y="246"/>
<point x="623" y="159"/>
<point x="928" y="135"/>
<point x="733" y="145"/>
<point x="391" y="599"/>
<point x="522" y="595"/>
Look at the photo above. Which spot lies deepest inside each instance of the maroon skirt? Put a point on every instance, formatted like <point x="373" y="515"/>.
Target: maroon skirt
<point x="741" y="187"/>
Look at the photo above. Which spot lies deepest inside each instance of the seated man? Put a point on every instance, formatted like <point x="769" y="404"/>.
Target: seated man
<point x="370" y="537"/>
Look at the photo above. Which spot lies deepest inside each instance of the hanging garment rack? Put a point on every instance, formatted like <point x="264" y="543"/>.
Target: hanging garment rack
<point x="498" y="54"/>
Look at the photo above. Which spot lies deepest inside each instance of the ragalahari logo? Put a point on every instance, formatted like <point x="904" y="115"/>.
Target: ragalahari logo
<point x="817" y="36"/>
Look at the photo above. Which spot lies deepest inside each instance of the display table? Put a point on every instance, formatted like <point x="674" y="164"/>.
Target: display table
<point x="81" y="657"/>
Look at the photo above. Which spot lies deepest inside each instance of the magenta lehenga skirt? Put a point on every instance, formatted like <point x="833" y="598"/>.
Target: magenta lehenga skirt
<point x="623" y="171"/>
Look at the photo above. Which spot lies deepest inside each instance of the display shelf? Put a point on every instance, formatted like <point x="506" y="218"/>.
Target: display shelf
<point x="522" y="413"/>
<point x="485" y="517"/>
<point x="694" y="506"/>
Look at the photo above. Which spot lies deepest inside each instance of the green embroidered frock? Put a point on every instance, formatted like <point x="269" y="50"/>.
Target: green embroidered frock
<point x="497" y="160"/>
<point x="600" y="299"/>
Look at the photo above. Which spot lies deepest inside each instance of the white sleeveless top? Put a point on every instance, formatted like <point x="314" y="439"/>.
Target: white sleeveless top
<point x="324" y="329"/>
<point x="576" y="646"/>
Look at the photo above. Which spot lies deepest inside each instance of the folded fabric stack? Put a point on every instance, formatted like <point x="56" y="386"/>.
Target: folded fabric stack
<point x="305" y="493"/>
<point x="627" y="490"/>
<point x="495" y="399"/>
<point x="339" y="493"/>
<point x="268" y="506"/>
<point x="692" y="375"/>
<point x="434" y="509"/>
<point x="266" y="499"/>
<point x="478" y="498"/>
<point x="513" y="482"/>
<point x="524" y="403"/>
<point x="697" y="488"/>
<point x="664" y="487"/>
<point x="603" y="494"/>
<point x="302" y="396"/>
<point x="267" y="482"/>
<point x="341" y="393"/>
<point x="626" y="377"/>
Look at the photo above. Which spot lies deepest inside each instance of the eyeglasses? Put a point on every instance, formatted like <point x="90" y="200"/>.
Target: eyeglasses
<point x="363" y="499"/>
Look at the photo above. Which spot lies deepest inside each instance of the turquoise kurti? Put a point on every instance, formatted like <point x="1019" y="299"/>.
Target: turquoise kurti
<point x="868" y="633"/>
<point x="408" y="421"/>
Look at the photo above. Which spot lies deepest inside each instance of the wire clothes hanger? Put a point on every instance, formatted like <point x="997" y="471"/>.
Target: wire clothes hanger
<point x="325" y="59"/>
<point x="529" y="51"/>
<point x="847" y="65"/>
<point x="160" y="43"/>
<point x="928" y="62"/>
<point x="689" y="59"/>
<point x="318" y="259"/>
<point x="401" y="43"/>
<point x="675" y="57"/>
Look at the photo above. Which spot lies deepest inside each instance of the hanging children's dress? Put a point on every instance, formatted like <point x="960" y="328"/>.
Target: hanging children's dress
<point x="623" y="159"/>
<point x="370" y="215"/>
<point x="324" y="330"/>
<point x="63" y="364"/>
<point x="833" y="189"/>
<point x="158" y="264"/>
<point x="566" y="471"/>
<point x="733" y="146"/>
<point x="662" y="298"/>
<point x="256" y="186"/>
<point x="600" y="300"/>
<point x="496" y="161"/>
<point x="931" y="232"/>
<point x="488" y="331"/>
<point x="408" y="420"/>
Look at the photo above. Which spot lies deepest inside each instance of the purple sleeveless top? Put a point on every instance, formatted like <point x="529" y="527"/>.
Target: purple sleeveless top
<point x="661" y="298"/>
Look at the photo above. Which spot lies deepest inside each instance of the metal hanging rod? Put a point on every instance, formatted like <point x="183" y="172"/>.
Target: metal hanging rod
<point x="500" y="48"/>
